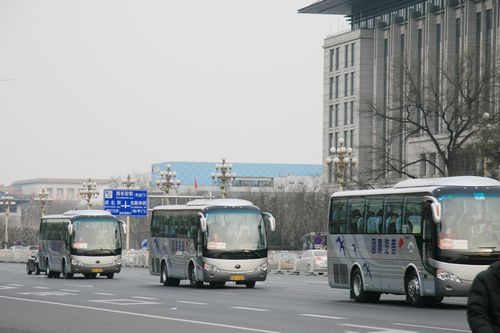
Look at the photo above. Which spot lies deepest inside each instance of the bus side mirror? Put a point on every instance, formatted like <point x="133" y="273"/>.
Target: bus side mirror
<point x="272" y="221"/>
<point x="435" y="209"/>
<point x="203" y="222"/>
<point x="124" y="227"/>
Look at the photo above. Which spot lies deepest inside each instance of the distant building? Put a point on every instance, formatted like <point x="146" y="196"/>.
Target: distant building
<point x="58" y="188"/>
<point x="249" y="176"/>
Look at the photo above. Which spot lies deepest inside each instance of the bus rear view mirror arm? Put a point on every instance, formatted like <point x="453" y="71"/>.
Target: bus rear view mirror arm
<point x="272" y="221"/>
<point x="203" y="222"/>
<point x="435" y="208"/>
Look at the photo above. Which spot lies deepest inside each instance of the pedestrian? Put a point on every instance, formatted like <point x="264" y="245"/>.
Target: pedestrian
<point x="483" y="306"/>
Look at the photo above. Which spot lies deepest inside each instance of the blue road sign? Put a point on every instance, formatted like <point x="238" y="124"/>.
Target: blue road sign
<point x="126" y="202"/>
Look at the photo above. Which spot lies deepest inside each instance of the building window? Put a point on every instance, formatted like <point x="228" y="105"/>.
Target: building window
<point x="337" y="86"/>
<point x="332" y="52"/>
<point x="422" y="165"/>
<point x="330" y="116"/>
<point x="352" y="54"/>
<point x="337" y="51"/>
<point x="345" y="114"/>
<point x="352" y="112"/>
<point x="346" y="139"/>
<point x="352" y="83"/>
<point x="330" y="93"/>
<point x="346" y="83"/>
<point x="336" y="139"/>
<point x="352" y="138"/>
<point x="330" y="141"/>
<point x="346" y="56"/>
<point x="432" y="164"/>
<point x="438" y="75"/>
<point x="336" y="115"/>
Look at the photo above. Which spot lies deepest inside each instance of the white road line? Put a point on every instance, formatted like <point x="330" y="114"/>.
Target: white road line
<point x="80" y="285"/>
<point x="432" y="327"/>
<point x="16" y="285"/>
<point x="241" y="328"/>
<point x="188" y="302"/>
<point x="320" y="316"/>
<point x="381" y="329"/>
<point x="71" y="290"/>
<point x="142" y="297"/>
<point x="249" y="309"/>
<point x="41" y="288"/>
<point x="104" y="294"/>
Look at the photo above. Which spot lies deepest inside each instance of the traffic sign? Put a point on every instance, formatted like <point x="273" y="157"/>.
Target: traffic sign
<point x="126" y="202"/>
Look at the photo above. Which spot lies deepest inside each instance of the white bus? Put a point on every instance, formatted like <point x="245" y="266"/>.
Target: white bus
<point x="212" y="241"/>
<point x="423" y="238"/>
<point x="87" y="242"/>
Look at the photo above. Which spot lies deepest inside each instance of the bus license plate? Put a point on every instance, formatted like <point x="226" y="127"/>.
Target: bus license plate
<point x="96" y="270"/>
<point x="237" y="277"/>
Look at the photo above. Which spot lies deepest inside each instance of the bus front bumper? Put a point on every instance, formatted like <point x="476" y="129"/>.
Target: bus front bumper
<point x="213" y="276"/>
<point x="75" y="269"/>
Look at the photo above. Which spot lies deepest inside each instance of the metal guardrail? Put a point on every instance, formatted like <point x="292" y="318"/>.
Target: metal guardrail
<point x="279" y="262"/>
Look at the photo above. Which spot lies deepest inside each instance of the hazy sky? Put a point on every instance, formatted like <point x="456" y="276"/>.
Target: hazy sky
<point x="99" y="88"/>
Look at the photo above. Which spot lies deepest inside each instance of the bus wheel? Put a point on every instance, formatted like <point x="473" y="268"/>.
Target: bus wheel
<point x="163" y="275"/>
<point x="412" y="290"/>
<point x="50" y="275"/>
<point x="28" y="269"/>
<point x="110" y="275"/>
<point x="192" y="282"/>
<point x="250" y="284"/>
<point x="357" y="291"/>
<point x="65" y="274"/>
<point x="37" y="269"/>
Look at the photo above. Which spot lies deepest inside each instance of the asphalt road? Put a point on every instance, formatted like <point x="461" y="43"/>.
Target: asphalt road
<point x="136" y="302"/>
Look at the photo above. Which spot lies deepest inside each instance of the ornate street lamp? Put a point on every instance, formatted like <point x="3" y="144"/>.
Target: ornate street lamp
<point x="7" y="201"/>
<point x="342" y="158"/>
<point x="168" y="181"/>
<point x="224" y="176"/>
<point x="89" y="192"/>
<point x="128" y="183"/>
<point x="43" y="199"/>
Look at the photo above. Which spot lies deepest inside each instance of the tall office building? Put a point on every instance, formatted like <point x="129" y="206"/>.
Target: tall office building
<point x="367" y="69"/>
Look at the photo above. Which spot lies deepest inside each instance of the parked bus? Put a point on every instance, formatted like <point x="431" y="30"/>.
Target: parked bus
<point x="423" y="238"/>
<point x="209" y="240"/>
<point x="87" y="242"/>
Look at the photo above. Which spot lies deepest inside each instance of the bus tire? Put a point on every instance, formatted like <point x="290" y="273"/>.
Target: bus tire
<point x="50" y="275"/>
<point x="192" y="278"/>
<point x="250" y="284"/>
<point x="357" y="291"/>
<point x="167" y="281"/>
<point x="65" y="274"/>
<point x="110" y="275"/>
<point x="412" y="290"/>
<point x="28" y="269"/>
<point x="37" y="269"/>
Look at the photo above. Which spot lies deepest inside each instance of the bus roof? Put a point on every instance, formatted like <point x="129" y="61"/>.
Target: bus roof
<point x="426" y="185"/>
<point x="76" y="213"/>
<point x="200" y="204"/>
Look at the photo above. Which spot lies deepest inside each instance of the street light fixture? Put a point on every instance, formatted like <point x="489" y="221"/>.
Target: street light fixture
<point x="43" y="198"/>
<point x="224" y="176"/>
<point x="7" y="201"/>
<point x="341" y="158"/>
<point x="89" y="192"/>
<point x="168" y="181"/>
<point x="128" y="183"/>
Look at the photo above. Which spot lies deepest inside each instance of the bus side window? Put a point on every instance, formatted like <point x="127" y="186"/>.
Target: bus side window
<point x="338" y="212"/>
<point x="412" y="220"/>
<point x="374" y="215"/>
<point x="356" y="216"/>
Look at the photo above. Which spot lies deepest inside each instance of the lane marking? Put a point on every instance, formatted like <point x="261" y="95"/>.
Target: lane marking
<point x="104" y="294"/>
<point x="249" y="309"/>
<point x="379" y="329"/>
<point x="71" y="290"/>
<point x="80" y="285"/>
<point x="197" y="322"/>
<point x="320" y="316"/>
<point x="122" y="301"/>
<point x="7" y="287"/>
<point x="432" y="327"/>
<point x="47" y="293"/>
<point x="16" y="285"/>
<point x="142" y="297"/>
<point x="189" y="302"/>
<point x="41" y="288"/>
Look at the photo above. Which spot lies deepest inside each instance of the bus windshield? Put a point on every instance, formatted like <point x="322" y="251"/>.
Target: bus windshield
<point x="470" y="222"/>
<point x="235" y="230"/>
<point x="96" y="236"/>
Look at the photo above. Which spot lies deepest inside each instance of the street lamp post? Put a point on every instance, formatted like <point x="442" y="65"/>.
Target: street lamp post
<point x="168" y="181"/>
<point x="128" y="183"/>
<point x="224" y="176"/>
<point x="89" y="192"/>
<point x="341" y="158"/>
<point x="7" y="201"/>
<point x="43" y="198"/>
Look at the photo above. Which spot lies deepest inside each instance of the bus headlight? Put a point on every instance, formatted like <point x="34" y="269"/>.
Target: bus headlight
<point x="209" y="267"/>
<point x="118" y="262"/>
<point x="76" y="262"/>
<point x="261" y="268"/>
<point x="446" y="276"/>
